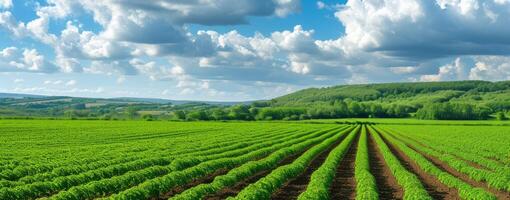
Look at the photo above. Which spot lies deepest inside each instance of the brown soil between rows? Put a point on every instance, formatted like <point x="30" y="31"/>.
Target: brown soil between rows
<point x="471" y="163"/>
<point x="344" y="183"/>
<point x="234" y="190"/>
<point x="464" y="177"/>
<point x="293" y="188"/>
<point x="387" y="185"/>
<point x="434" y="187"/>
<point x="206" y="179"/>
<point x="202" y="180"/>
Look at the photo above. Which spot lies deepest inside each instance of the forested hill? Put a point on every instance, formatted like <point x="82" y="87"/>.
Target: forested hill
<point x="436" y="100"/>
<point x="414" y="93"/>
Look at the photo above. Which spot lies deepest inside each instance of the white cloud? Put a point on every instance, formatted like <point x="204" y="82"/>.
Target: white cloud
<point x="19" y="80"/>
<point x="424" y="29"/>
<point x="28" y="60"/>
<point x="6" y="4"/>
<point x="491" y="68"/>
<point x="384" y="40"/>
<point x="71" y="83"/>
<point x="454" y="71"/>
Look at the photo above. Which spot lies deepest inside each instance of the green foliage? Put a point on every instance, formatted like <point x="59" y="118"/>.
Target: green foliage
<point x="501" y="116"/>
<point x="466" y="191"/>
<point x="263" y="188"/>
<point x="413" y="188"/>
<point x="366" y="187"/>
<point x="452" y="111"/>
<point x="321" y="179"/>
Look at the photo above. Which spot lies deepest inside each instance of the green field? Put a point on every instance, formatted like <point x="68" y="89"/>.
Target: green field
<point x="322" y="159"/>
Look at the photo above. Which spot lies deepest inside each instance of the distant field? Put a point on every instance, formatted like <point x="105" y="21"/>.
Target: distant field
<point x="394" y="159"/>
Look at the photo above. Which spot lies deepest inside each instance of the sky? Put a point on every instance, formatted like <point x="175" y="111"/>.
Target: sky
<point x="238" y="50"/>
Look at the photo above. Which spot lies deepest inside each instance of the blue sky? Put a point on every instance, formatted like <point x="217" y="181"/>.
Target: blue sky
<point x="234" y="50"/>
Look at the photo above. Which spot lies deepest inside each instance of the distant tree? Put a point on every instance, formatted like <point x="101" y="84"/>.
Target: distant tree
<point x="79" y="106"/>
<point x="179" y="115"/>
<point x="219" y="114"/>
<point x="69" y="114"/>
<point x="240" y="112"/>
<point x="132" y="111"/>
<point x="197" y="115"/>
<point x="148" y="117"/>
<point x="501" y="116"/>
<point x="452" y="111"/>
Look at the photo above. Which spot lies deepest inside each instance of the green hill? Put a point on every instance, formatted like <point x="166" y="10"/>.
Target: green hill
<point x="413" y="93"/>
<point x="424" y="100"/>
<point x="464" y="99"/>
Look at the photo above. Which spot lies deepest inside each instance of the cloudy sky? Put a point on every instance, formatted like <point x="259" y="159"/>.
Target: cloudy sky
<point x="245" y="49"/>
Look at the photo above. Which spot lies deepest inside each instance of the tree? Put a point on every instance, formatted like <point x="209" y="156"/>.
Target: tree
<point x="196" y="115"/>
<point x="501" y="116"/>
<point x="132" y="111"/>
<point x="240" y="112"/>
<point x="148" y="117"/>
<point x="179" y="115"/>
<point x="219" y="114"/>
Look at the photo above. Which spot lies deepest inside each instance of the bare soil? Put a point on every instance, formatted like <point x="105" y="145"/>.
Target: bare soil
<point x="206" y="179"/>
<point x="293" y="188"/>
<point x="434" y="187"/>
<point x="387" y="185"/>
<point x="234" y="190"/>
<point x="471" y="163"/>
<point x="344" y="184"/>
<point x="445" y="167"/>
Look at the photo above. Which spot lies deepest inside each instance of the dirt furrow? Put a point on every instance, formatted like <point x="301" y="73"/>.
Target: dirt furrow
<point x="203" y="180"/>
<point x="293" y="188"/>
<point x="234" y="190"/>
<point x="445" y="167"/>
<point x="471" y="163"/>
<point x="434" y="187"/>
<point x="387" y="185"/>
<point x="344" y="183"/>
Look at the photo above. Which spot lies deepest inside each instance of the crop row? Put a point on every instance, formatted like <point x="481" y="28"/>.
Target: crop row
<point x="33" y="174"/>
<point x="263" y="188"/>
<point x="38" y="189"/>
<point x="175" y="176"/>
<point x="499" y="178"/>
<point x="465" y="190"/>
<point x="321" y="179"/>
<point x="244" y="171"/>
<point x="366" y="187"/>
<point x="413" y="188"/>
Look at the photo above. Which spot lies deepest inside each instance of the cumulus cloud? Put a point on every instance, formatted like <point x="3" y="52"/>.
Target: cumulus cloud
<point x="491" y="68"/>
<point x="384" y="40"/>
<point x="448" y="72"/>
<point x="424" y="29"/>
<point x="27" y="60"/>
<point x="6" y="4"/>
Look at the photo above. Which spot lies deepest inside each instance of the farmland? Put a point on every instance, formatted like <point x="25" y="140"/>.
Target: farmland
<point x="399" y="159"/>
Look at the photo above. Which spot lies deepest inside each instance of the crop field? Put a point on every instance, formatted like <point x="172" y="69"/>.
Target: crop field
<point x="73" y="159"/>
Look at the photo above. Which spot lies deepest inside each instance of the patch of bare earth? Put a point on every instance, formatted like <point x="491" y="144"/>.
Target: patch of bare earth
<point x="206" y="179"/>
<point x="344" y="183"/>
<point x="471" y="163"/>
<point x="387" y="185"/>
<point x="434" y="187"/>
<point x="445" y="167"/>
<point x="293" y="188"/>
<point x="234" y="190"/>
